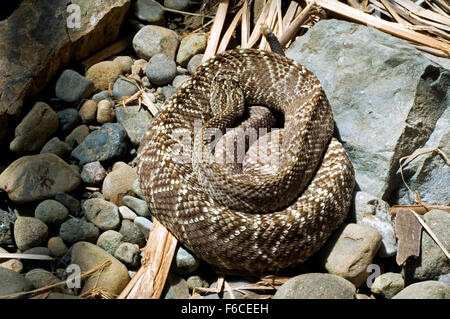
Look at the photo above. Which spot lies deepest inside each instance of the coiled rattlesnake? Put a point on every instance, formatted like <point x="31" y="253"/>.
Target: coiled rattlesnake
<point x="252" y="218"/>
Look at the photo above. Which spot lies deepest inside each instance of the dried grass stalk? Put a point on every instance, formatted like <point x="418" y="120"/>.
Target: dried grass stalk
<point x="216" y="30"/>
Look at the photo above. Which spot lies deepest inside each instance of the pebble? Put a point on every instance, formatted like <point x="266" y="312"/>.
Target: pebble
<point x="425" y="290"/>
<point x="41" y="278"/>
<point x="432" y="261"/>
<point x="184" y="262"/>
<point x="46" y="175"/>
<point x="12" y="283"/>
<point x="137" y="189"/>
<point x="68" y="119"/>
<point x="123" y="88"/>
<point x="125" y="62"/>
<point x="132" y="234"/>
<point x="109" y="241"/>
<point x="149" y="11"/>
<point x="51" y="212"/>
<point x="93" y="173"/>
<point x="152" y="39"/>
<point x="129" y="254"/>
<point x="134" y="121"/>
<point x="177" y="4"/>
<point x="167" y="91"/>
<point x="72" y="87"/>
<point x="111" y="279"/>
<point x="71" y="203"/>
<point x="57" y="247"/>
<point x="139" y="206"/>
<point x="146" y="82"/>
<point x="316" y="286"/>
<point x="196" y="282"/>
<point x="13" y="264"/>
<point x="445" y="279"/>
<point x="126" y="213"/>
<point x="119" y="182"/>
<point x="179" y="80"/>
<point x="103" y="95"/>
<point x="57" y="147"/>
<point x="7" y="220"/>
<point x="138" y="67"/>
<point x="103" y="73"/>
<point x="144" y="225"/>
<point x="388" y="284"/>
<point x="88" y="111"/>
<point x="190" y="46"/>
<point x="194" y="62"/>
<point x="77" y="136"/>
<point x="105" y="112"/>
<point x="29" y="232"/>
<point x="175" y="288"/>
<point x="107" y="144"/>
<point x="235" y="282"/>
<point x="103" y="214"/>
<point x="350" y="251"/>
<point x="161" y="69"/>
<point x="76" y="229"/>
<point x="181" y="70"/>
<point x="34" y="130"/>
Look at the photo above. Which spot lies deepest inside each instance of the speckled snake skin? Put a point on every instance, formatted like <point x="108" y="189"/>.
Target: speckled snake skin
<point x="253" y="220"/>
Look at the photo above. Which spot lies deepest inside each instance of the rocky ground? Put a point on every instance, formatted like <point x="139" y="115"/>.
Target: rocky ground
<point x="69" y="183"/>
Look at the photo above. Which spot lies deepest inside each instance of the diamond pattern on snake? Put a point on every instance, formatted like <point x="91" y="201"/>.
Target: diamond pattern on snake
<point x="272" y="206"/>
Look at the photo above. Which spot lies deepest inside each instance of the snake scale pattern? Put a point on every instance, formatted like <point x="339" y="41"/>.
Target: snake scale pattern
<point x="255" y="220"/>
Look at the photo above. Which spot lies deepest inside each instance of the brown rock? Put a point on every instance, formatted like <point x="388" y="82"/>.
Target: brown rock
<point x="36" y="41"/>
<point x="88" y="111"/>
<point x="119" y="182"/>
<point x="36" y="177"/>
<point x="103" y="74"/>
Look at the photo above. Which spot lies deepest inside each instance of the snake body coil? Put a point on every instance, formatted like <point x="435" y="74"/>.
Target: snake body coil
<point x="254" y="219"/>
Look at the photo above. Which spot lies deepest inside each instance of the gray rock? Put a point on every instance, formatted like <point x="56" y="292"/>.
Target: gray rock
<point x="194" y="62"/>
<point x="445" y="279"/>
<point x="123" y="88"/>
<point x="167" y="91"/>
<point x="428" y="174"/>
<point x="367" y="75"/>
<point x="57" y="247"/>
<point x="316" y="286"/>
<point x="432" y="261"/>
<point x="425" y="290"/>
<point x="29" y="232"/>
<point x="34" y="130"/>
<point x="68" y="119"/>
<point x="57" y="147"/>
<point x="350" y="251"/>
<point x="161" y="69"/>
<point x="40" y="250"/>
<point x="126" y="213"/>
<point x="149" y="11"/>
<point x="146" y="82"/>
<point x="109" y="241"/>
<point x="196" y="282"/>
<point x="51" y="212"/>
<point x="93" y="173"/>
<point x="177" y="4"/>
<point x="45" y="176"/>
<point x="175" y="288"/>
<point x="12" y="282"/>
<point x="376" y="213"/>
<point x="184" y="263"/>
<point x="105" y="145"/>
<point x="72" y="87"/>
<point x="103" y="214"/>
<point x="41" y="278"/>
<point x="132" y="234"/>
<point x="191" y="45"/>
<point x="152" y="39"/>
<point x="103" y="95"/>
<point x="129" y="254"/>
<point x="71" y="203"/>
<point x="111" y="279"/>
<point x="179" y="80"/>
<point x="7" y="220"/>
<point x="134" y="121"/>
<point x="137" y="189"/>
<point x="76" y="229"/>
<point x="388" y="284"/>
<point x="139" y="206"/>
<point x="144" y="225"/>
